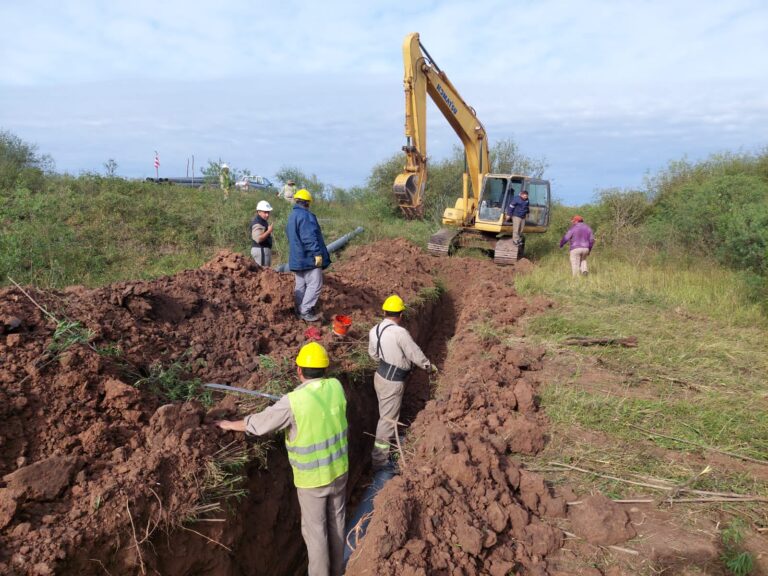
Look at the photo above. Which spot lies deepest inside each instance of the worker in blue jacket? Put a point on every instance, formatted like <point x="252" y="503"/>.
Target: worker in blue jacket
<point x="516" y="213"/>
<point x="308" y="256"/>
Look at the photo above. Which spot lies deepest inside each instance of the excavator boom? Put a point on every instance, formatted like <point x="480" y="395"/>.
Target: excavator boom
<point x="422" y="77"/>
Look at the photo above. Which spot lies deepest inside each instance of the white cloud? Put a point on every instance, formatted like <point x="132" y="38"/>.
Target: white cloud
<point x="318" y="84"/>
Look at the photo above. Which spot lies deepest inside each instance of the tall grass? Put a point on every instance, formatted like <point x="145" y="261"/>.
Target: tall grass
<point x="698" y="373"/>
<point x="647" y="278"/>
<point x="92" y="230"/>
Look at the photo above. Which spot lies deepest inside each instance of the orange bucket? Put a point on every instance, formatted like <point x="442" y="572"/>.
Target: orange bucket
<point x="341" y="324"/>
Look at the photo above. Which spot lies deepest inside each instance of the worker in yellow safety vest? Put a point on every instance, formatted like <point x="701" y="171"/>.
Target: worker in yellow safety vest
<point x="396" y="352"/>
<point x="315" y="415"/>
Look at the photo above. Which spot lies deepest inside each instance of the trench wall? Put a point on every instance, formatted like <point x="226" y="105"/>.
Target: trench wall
<point x="263" y="531"/>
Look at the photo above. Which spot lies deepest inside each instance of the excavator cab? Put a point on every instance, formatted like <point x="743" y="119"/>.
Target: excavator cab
<point x="497" y="193"/>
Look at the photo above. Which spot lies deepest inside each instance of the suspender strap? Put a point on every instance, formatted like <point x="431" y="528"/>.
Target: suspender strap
<point x="379" y="332"/>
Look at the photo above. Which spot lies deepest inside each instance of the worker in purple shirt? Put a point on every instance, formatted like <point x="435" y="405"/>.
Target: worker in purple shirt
<point x="581" y="239"/>
<point x="516" y="213"/>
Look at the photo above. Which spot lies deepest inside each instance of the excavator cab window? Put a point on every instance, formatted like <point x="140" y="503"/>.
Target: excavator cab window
<point x="538" y="198"/>
<point x="492" y="199"/>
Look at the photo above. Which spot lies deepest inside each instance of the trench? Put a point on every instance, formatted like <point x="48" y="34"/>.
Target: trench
<point x="263" y="533"/>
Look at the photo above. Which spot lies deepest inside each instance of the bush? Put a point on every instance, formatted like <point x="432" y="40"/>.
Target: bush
<point x="617" y="216"/>
<point x="723" y="215"/>
<point x="20" y="164"/>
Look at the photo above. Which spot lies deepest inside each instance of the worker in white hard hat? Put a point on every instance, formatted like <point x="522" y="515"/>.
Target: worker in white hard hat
<point x="314" y="416"/>
<point x="261" y="234"/>
<point x="392" y="345"/>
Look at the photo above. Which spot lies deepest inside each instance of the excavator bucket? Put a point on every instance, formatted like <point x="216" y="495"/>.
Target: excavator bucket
<point x="406" y="190"/>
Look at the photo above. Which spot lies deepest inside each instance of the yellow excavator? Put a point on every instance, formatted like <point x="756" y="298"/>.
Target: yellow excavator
<point x="478" y="216"/>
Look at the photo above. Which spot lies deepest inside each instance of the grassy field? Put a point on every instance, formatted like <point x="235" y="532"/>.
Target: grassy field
<point x="93" y="231"/>
<point x="698" y="374"/>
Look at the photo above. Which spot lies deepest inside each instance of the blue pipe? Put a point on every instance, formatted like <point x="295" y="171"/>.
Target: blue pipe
<point x="332" y="247"/>
<point x="380" y="478"/>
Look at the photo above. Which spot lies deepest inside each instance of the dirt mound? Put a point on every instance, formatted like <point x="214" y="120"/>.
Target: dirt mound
<point x="462" y="504"/>
<point x="92" y="464"/>
<point x="103" y="463"/>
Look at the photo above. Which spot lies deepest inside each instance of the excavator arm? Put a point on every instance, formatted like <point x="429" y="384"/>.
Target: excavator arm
<point x="422" y="76"/>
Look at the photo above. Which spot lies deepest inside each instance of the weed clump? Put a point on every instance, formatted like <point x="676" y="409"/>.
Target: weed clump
<point x="738" y="561"/>
<point x="171" y="385"/>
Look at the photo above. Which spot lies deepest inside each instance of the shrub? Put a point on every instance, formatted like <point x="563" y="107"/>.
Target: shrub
<point x="723" y="215"/>
<point x="20" y="164"/>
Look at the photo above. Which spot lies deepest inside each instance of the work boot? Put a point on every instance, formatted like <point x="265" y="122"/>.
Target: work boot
<point x="310" y="317"/>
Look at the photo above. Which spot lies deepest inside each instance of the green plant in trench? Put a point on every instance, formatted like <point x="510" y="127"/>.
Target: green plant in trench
<point x="169" y="383"/>
<point x="280" y="374"/>
<point x="426" y="294"/>
<point x="224" y="478"/>
<point x="738" y="561"/>
<point x="486" y="331"/>
<point x="110" y="350"/>
<point x="67" y="334"/>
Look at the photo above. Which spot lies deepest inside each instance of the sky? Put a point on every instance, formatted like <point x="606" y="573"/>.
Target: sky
<point x="607" y="92"/>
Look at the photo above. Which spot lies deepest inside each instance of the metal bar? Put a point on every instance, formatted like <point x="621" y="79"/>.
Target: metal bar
<point x="226" y="388"/>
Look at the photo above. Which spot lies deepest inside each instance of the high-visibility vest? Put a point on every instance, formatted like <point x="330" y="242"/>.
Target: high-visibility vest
<point x="319" y="453"/>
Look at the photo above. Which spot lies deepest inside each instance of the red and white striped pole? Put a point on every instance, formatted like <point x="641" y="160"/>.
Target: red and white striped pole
<point x="157" y="166"/>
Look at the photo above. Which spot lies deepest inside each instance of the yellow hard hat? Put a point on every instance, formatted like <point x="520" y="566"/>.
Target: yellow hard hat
<point x="393" y="304"/>
<point x="312" y="355"/>
<point x="303" y="194"/>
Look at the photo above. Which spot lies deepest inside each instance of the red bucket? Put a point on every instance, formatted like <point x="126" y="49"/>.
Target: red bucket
<point x="341" y="324"/>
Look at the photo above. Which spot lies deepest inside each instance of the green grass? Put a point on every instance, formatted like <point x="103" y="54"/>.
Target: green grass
<point x="93" y="231"/>
<point x="713" y="292"/>
<point x="698" y="373"/>
<point x="711" y="420"/>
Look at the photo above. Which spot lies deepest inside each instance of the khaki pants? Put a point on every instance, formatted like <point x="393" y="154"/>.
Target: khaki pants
<point x="262" y="256"/>
<point x="306" y="292"/>
<point x="322" y="526"/>
<point x="579" y="261"/>
<point x="517" y="228"/>
<point x="390" y="395"/>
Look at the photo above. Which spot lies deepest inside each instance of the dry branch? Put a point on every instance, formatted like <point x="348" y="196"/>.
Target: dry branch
<point x="357" y="531"/>
<point x="211" y="540"/>
<point x="397" y="439"/>
<point x="629" y="342"/>
<point x="135" y="540"/>
<point x="671" y="489"/>
<point x="43" y="310"/>
<point x="617" y="548"/>
<point x="702" y="446"/>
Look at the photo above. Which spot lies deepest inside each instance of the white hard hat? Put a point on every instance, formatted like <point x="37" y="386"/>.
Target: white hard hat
<point x="224" y="166"/>
<point x="263" y="206"/>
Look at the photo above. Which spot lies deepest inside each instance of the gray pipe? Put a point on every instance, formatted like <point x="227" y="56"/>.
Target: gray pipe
<point x="332" y="247"/>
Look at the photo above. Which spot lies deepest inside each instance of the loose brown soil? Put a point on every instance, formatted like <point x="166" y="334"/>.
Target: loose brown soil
<point x="100" y="476"/>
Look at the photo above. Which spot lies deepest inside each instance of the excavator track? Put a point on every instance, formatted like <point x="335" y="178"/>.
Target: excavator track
<point x="507" y="252"/>
<point x="441" y="243"/>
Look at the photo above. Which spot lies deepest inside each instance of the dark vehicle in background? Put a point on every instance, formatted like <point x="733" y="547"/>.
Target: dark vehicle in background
<point x="253" y="182"/>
